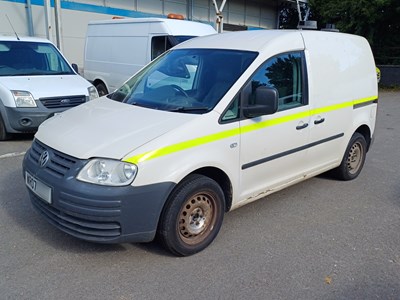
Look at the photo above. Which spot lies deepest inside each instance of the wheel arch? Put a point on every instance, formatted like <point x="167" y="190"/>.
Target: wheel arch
<point x="366" y="132"/>
<point x="98" y="81"/>
<point x="218" y="176"/>
<point x="222" y="179"/>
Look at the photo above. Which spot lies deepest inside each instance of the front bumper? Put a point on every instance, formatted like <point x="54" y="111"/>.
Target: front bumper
<point x="92" y="212"/>
<point x="26" y="119"/>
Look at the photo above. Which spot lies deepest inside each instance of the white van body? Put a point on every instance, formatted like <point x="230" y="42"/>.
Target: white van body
<point x="166" y="157"/>
<point x="116" y="49"/>
<point x="36" y="82"/>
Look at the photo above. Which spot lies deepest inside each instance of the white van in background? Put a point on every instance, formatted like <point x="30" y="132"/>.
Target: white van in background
<point x="116" y="49"/>
<point x="36" y="82"/>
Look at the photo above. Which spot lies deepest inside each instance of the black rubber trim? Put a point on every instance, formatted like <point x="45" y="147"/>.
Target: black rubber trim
<point x="365" y="104"/>
<point x="279" y="155"/>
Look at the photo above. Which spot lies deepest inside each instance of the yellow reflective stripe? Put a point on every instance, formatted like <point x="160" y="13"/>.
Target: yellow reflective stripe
<point x="273" y="122"/>
<point x="236" y="131"/>
<point x="183" y="145"/>
<point x="213" y="137"/>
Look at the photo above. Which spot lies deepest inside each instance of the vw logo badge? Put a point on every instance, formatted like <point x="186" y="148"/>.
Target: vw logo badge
<point x="44" y="158"/>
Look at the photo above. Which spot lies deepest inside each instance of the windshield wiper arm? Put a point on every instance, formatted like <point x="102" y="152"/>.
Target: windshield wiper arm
<point x="189" y="109"/>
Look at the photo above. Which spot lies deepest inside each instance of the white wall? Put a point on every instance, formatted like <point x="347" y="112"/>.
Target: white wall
<point x="75" y="15"/>
<point x="74" y="24"/>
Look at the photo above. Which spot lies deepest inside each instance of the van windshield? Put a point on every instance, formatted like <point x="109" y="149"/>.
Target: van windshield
<point x="18" y="58"/>
<point x="185" y="80"/>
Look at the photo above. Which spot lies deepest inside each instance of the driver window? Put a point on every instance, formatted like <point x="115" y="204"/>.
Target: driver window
<point x="159" y="44"/>
<point x="283" y="72"/>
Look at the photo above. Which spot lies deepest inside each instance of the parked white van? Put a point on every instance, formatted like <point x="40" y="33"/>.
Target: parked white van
<point x="36" y="82"/>
<point x="209" y="126"/>
<point x="116" y="49"/>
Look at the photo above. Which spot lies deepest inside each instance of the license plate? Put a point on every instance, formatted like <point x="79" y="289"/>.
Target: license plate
<point x="38" y="187"/>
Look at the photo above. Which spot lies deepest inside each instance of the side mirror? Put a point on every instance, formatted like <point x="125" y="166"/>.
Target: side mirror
<point x="75" y="67"/>
<point x="266" y="103"/>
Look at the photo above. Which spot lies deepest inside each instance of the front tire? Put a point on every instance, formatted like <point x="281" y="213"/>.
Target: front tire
<point x="353" y="159"/>
<point x="192" y="216"/>
<point x="4" y="135"/>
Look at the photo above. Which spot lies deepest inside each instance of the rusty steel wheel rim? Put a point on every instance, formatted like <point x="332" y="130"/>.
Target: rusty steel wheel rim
<point x="354" y="160"/>
<point x="197" y="218"/>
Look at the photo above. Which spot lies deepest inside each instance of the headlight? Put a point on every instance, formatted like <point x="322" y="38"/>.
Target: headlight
<point x="23" y="99"/>
<point x="92" y="93"/>
<point x="108" y="172"/>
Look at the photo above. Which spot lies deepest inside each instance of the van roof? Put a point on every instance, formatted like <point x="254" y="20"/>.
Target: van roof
<point x="139" y="20"/>
<point x="255" y="40"/>
<point x="176" y="27"/>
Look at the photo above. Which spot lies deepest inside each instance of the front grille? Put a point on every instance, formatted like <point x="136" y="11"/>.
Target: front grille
<point x="81" y="228"/>
<point x="63" y="102"/>
<point x="59" y="163"/>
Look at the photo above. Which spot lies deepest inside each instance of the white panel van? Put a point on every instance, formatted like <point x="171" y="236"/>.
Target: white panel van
<point x="116" y="49"/>
<point x="36" y="82"/>
<point x="211" y="125"/>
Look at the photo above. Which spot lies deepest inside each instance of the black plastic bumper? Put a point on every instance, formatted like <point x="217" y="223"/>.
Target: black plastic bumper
<point x="27" y="119"/>
<point x="93" y="212"/>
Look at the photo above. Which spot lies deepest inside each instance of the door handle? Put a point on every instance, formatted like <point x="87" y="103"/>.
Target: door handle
<point x="319" y="121"/>
<point x="302" y="126"/>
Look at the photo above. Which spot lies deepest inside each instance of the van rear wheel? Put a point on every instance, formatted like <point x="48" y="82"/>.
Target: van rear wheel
<point x="353" y="159"/>
<point x="101" y="89"/>
<point x="192" y="216"/>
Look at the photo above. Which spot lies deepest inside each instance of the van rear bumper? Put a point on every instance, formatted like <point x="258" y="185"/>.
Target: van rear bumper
<point x="93" y="212"/>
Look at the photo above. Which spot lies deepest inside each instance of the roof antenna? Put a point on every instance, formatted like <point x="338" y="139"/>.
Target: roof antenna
<point x="12" y="27"/>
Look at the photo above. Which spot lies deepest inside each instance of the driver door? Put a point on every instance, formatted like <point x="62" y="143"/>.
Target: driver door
<point x="273" y="152"/>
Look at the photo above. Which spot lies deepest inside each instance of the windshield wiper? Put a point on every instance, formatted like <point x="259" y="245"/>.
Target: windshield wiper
<point x="142" y="105"/>
<point x="63" y="73"/>
<point x="189" y="109"/>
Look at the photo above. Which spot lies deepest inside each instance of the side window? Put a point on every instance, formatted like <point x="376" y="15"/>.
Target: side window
<point x="283" y="72"/>
<point x="159" y="44"/>
<point x="232" y="112"/>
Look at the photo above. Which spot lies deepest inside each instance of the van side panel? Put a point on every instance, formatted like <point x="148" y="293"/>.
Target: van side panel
<point x="117" y="49"/>
<point x="341" y="70"/>
<point x="115" y="52"/>
<point x="343" y="67"/>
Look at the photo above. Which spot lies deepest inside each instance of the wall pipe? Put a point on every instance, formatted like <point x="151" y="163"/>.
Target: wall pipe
<point x="57" y="13"/>
<point x="47" y="19"/>
<point x="28" y="7"/>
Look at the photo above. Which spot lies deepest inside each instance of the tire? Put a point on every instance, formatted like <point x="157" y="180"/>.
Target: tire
<point x="192" y="216"/>
<point x="4" y="135"/>
<point x="353" y="159"/>
<point x="101" y="89"/>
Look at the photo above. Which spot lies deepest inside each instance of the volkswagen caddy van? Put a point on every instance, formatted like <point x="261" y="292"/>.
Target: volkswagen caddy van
<point x="36" y="82"/>
<point x="211" y="125"/>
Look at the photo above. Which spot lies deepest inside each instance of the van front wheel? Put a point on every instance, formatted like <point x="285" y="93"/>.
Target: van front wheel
<point x="353" y="159"/>
<point x="4" y="135"/>
<point x="193" y="216"/>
